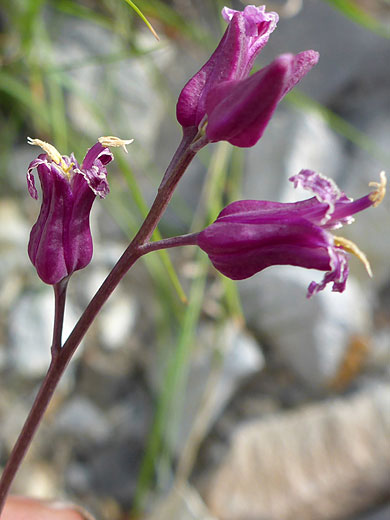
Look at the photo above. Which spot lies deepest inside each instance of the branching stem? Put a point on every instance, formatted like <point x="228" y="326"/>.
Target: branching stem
<point x="61" y="356"/>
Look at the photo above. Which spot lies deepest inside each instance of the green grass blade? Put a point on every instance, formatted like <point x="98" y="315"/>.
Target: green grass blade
<point x="80" y="10"/>
<point x="23" y="97"/>
<point x="57" y="112"/>
<point x="158" y="452"/>
<point x="143" y="18"/>
<point x="172" y="377"/>
<point x="143" y="210"/>
<point x="359" y="16"/>
<point x="175" y="22"/>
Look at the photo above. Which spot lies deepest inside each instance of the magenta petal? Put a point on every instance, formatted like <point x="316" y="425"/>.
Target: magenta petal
<point x="78" y="239"/>
<point x="46" y="246"/>
<point x="60" y="241"/>
<point x="94" y="171"/>
<point x="258" y="27"/>
<point x="251" y="235"/>
<point x="41" y="159"/>
<point x="238" y="108"/>
<point x="323" y="188"/>
<point x="245" y="36"/>
<point x="241" y="250"/>
<point x="300" y="66"/>
<point x="337" y="275"/>
<point x="339" y="208"/>
<point x="227" y="62"/>
<point x="239" y="111"/>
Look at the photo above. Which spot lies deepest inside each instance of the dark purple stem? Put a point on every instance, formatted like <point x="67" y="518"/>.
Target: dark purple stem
<point x="60" y="297"/>
<point x="43" y="397"/>
<point x="61" y="356"/>
<point x="167" y="243"/>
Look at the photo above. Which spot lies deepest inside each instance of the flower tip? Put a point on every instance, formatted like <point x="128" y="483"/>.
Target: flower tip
<point x="378" y="195"/>
<point x="110" y="140"/>
<point x="312" y="56"/>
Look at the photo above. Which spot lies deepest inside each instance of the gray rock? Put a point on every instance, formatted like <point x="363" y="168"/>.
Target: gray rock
<point x="121" y="91"/>
<point x="309" y="336"/>
<point x="83" y="420"/>
<point x="293" y="141"/>
<point x="117" y="321"/>
<point x="379" y="514"/>
<point x="115" y="469"/>
<point x="224" y="357"/>
<point x="182" y="503"/>
<point x="343" y="46"/>
<point x="14" y="233"/>
<point x="78" y="476"/>
<point x="379" y="355"/>
<point x="370" y="230"/>
<point x="325" y="461"/>
<point x="30" y="332"/>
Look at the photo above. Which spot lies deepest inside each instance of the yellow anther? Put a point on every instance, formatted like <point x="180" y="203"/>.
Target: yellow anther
<point x="378" y="195"/>
<point x="351" y="247"/>
<point x="110" y="140"/>
<point x="67" y="168"/>
<point x="53" y="153"/>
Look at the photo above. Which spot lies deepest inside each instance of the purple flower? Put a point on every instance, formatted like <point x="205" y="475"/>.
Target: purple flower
<point x="60" y="241"/>
<point x="250" y="235"/>
<point x="222" y="100"/>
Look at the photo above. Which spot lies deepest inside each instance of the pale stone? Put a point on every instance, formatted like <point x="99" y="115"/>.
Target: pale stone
<point x="310" y="336"/>
<point x="307" y="463"/>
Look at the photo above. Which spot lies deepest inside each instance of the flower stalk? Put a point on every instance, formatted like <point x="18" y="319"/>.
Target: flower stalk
<point x="59" y="310"/>
<point x="61" y="356"/>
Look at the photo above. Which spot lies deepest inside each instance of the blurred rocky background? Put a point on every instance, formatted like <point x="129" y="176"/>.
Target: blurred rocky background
<point x="248" y="402"/>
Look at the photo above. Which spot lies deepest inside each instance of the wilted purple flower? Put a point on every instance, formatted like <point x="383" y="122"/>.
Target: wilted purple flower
<point x="223" y="99"/>
<point x="250" y="235"/>
<point x="60" y="241"/>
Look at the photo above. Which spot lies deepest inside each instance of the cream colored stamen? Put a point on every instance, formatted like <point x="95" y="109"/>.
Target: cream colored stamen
<point x="110" y="140"/>
<point x="53" y="153"/>
<point x="378" y="195"/>
<point x="352" y="248"/>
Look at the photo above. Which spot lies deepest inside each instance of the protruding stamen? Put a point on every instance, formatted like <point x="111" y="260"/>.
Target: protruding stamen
<point x="110" y="140"/>
<point x="378" y="195"/>
<point x="52" y="152"/>
<point x="352" y="248"/>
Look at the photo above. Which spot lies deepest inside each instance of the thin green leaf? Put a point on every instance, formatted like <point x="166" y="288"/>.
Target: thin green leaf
<point x="143" y="18"/>
<point x="173" y="376"/>
<point x="175" y="22"/>
<point x="359" y="16"/>
<point x="80" y="10"/>
<point x="143" y="209"/>
<point x="21" y="93"/>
